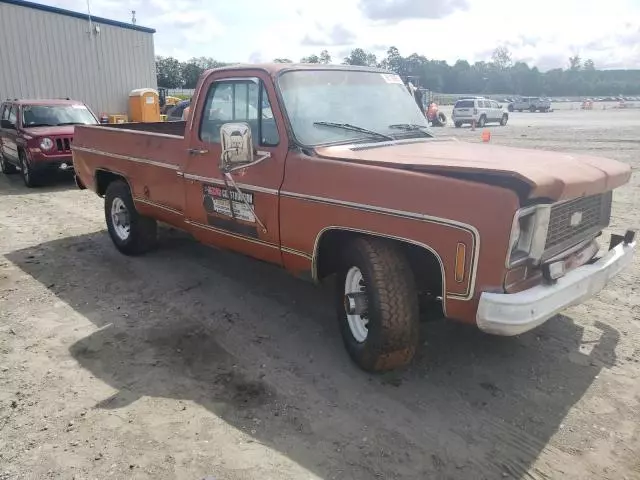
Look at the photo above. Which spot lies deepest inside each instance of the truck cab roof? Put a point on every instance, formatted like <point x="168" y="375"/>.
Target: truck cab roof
<point x="274" y="68"/>
<point x="52" y="101"/>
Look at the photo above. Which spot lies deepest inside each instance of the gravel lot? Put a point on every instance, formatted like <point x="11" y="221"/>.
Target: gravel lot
<point x="190" y="362"/>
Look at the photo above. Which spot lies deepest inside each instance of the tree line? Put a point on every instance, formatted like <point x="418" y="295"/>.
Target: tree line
<point x="501" y="75"/>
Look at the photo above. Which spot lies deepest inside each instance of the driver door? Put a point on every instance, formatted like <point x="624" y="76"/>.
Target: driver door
<point x="218" y="213"/>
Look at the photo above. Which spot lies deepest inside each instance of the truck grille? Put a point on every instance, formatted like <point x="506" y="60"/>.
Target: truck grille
<point x="576" y="220"/>
<point x="64" y="144"/>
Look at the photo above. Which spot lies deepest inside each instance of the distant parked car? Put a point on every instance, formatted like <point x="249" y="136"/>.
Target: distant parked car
<point x="174" y="114"/>
<point x="36" y="136"/>
<point x="479" y="110"/>
<point x="530" y="103"/>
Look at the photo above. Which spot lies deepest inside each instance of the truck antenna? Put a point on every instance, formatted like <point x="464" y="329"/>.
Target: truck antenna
<point x="133" y="17"/>
<point x="90" y="22"/>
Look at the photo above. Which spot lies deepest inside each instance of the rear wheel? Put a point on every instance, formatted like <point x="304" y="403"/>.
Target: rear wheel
<point x="6" y="167"/>
<point x="377" y="305"/>
<point x="131" y="233"/>
<point x="504" y="119"/>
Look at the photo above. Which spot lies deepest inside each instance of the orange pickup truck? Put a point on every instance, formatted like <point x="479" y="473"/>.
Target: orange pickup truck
<point x="332" y="171"/>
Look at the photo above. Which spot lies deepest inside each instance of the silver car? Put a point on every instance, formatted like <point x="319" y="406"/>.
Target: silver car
<point x="478" y="110"/>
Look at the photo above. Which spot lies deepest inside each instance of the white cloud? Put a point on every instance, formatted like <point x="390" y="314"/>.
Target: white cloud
<point x="544" y="32"/>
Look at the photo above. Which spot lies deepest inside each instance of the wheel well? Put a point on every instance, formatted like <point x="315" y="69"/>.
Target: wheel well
<point x="104" y="178"/>
<point x="425" y="264"/>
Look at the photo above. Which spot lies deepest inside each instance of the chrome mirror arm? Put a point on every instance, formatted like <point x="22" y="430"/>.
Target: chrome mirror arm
<point x="264" y="156"/>
<point x="229" y="178"/>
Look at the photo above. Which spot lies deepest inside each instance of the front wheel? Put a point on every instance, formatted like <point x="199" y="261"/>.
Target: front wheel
<point x="29" y="177"/>
<point x="532" y="109"/>
<point x="504" y="120"/>
<point x="377" y="305"/>
<point x="131" y="233"/>
<point x="458" y="124"/>
<point x="482" y="121"/>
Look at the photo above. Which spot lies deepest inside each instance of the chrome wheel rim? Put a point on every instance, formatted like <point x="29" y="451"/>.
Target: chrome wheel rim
<point x="358" y="324"/>
<point x="120" y="219"/>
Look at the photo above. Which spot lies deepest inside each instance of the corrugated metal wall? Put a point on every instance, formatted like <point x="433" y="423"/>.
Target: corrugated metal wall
<point x="48" y="55"/>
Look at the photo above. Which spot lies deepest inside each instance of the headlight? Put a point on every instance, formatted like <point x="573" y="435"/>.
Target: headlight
<point x="46" y="144"/>
<point x="528" y="234"/>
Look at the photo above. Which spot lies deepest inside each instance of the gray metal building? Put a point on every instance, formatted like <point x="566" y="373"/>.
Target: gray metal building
<point x="47" y="52"/>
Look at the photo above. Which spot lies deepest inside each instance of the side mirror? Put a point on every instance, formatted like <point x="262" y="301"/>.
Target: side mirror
<point x="7" y="124"/>
<point x="237" y="145"/>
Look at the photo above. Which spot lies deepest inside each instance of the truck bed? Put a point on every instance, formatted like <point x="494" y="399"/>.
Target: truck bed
<point x="167" y="128"/>
<point x="118" y="147"/>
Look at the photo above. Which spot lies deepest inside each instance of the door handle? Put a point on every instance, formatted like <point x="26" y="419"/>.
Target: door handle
<point x="196" y="151"/>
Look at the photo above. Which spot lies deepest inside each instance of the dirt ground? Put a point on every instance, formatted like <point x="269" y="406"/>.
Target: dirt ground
<point x="190" y="363"/>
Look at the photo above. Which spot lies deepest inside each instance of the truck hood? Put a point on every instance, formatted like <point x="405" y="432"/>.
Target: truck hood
<point x="543" y="174"/>
<point x="50" y="131"/>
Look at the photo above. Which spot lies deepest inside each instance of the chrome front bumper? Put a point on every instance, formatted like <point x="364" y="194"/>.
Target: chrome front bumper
<point x="515" y="313"/>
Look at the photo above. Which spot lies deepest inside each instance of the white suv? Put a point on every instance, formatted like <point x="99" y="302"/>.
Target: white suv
<point x="478" y="109"/>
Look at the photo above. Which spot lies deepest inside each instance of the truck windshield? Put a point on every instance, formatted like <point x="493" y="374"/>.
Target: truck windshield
<point x="56" y="115"/>
<point x="367" y="106"/>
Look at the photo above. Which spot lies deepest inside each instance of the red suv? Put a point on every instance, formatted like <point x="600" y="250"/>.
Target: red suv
<point x="36" y="136"/>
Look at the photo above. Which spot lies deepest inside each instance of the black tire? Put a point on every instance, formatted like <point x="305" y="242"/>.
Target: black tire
<point x="143" y="231"/>
<point x="519" y="109"/>
<point x="442" y="120"/>
<point x="30" y="178"/>
<point x="481" y="121"/>
<point x="504" y="119"/>
<point x="532" y="109"/>
<point x="458" y="124"/>
<point x="510" y="108"/>
<point x="6" y="167"/>
<point x="393" y="328"/>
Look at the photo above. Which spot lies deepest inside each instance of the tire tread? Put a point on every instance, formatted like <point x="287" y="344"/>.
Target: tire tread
<point x="394" y="292"/>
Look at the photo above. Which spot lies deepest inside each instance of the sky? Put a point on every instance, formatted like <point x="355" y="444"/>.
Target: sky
<point x="544" y="33"/>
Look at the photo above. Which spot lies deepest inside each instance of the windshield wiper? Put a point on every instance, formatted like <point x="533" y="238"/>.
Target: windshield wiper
<point x="70" y="123"/>
<point x="355" y="128"/>
<point x="412" y="127"/>
<point x="33" y="125"/>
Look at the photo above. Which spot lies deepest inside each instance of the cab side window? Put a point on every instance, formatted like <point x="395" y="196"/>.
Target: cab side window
<point x="242" y="100"/>
<point x="13" y="113"/>
<point x="5" y="111"/>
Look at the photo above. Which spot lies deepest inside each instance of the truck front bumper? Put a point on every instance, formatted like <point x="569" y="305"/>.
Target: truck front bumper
<point x="42" y="163"/>
<point x="512" y="314"/>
